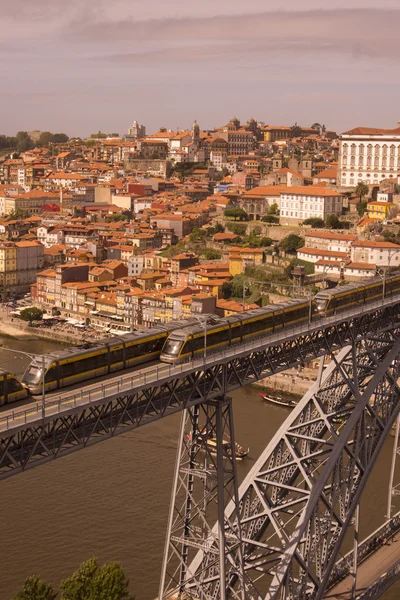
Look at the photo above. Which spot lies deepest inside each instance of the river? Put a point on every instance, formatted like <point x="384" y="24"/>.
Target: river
<point x="111" y="500"/>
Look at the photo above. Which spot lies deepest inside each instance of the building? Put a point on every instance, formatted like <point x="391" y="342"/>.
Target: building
<point x="240" y="258"/>
<point x="137" y="131"/>
<point x="381" y="210"/>
<point x="368" y="154"/>
<point x="301" y="203"/>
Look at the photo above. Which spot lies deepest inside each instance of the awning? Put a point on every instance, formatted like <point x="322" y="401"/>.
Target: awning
<point x="90" y="303"/>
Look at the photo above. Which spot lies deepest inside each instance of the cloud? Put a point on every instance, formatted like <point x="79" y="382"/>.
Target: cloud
<point x="366" y="32"/>
<point x="352" y="32"/>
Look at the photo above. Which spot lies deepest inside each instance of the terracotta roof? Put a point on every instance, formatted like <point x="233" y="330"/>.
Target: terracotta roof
<point x="372" y="131"/>
<point x="328" y="235"/>
<point x="370" y="244"/>
<point x="319" y="252"/>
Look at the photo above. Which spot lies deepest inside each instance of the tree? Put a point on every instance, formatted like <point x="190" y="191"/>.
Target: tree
<point x="198" y="235"/>
<point x="332" y="222"/>
<point x="24" y="142"/>
<point x="273" y="209"/>
<point x="361" y="208"/>
<point x="35" y="589"/>
<point x="218" y="228"/>
<point x="237" y="228"/>
<point x="314" y="222"/>
<point x="362" y="190"/>
<point x="117" y="217"/>
<point x="291" y="243"/>
<point x="31" y="314"/>
<point x="270" y="219"/>
<point x="91" y="582"/>
<point x="226" y="290"/>
<point x="236" y="213"/>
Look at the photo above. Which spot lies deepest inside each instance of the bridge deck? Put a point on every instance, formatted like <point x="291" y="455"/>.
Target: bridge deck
<point x="368" y="572"/>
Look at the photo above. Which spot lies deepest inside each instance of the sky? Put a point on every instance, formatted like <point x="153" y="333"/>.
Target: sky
<point x="87" y="65"/>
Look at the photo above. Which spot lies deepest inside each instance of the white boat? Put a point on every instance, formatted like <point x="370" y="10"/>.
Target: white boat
<point x="287" y="402"/>
<point x="211" y="442"/>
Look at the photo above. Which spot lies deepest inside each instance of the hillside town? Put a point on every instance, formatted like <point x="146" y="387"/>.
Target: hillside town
<point x="120" y="232"/>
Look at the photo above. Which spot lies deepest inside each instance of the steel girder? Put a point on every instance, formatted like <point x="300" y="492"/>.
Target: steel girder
<point x="298" y="501"/>
<point x="205" y="481"/>
<point x="72" y="429"/>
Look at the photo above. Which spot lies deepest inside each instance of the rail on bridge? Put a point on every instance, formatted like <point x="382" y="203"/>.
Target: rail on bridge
<point x="282" y="535"/>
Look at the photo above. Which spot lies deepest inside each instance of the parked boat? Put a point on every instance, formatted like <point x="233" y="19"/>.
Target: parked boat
<point x="287" y="402"/>
<point x="211" y="442"/>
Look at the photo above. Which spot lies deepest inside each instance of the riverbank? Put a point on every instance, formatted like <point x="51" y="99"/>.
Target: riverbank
<point x="290" y="382"/>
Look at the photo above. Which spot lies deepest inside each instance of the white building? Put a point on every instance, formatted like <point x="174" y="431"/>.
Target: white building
<point x="135" y="265"/>
<point x="301" y="203"/>
<point x="368" y="155"/>
<point x="380" y="254"/>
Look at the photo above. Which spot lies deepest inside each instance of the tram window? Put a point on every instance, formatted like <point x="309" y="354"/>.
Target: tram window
<point x="67" y="370"/>
<point x="13" y="385"/>
<point x="117" y="356"/>
<point x="134" y="351"/>
<point x="2" y="386"/>
<point x="51" y="374"/>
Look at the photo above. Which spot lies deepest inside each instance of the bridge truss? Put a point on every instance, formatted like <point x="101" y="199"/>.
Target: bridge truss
<point x="284" y="529"/>
<point x="103" y="410"/>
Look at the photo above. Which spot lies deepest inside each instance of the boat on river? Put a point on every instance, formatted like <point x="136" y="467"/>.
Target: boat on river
<point x="286" y="402"/>
<point x="210" y="441"/>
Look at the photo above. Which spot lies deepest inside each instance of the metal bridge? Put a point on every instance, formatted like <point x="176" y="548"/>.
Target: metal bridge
<point x="284" y="529"/>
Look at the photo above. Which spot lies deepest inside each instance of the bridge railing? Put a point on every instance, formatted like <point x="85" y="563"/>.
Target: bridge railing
<point x="138" y="379"/>
<point x="375" y="540"/>
<point x="382" y="584"/>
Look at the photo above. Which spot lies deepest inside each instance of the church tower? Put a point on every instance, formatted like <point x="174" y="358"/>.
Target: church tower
<point x="195" y="133"/>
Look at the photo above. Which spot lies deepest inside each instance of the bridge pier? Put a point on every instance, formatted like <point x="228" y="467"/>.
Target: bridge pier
<point x="205" y="481"/>
<point x="299" y="500"/>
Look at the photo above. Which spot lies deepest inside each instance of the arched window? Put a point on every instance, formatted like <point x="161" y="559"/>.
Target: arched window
<point x="384" y="150"/>
<point x="361" y="149"/>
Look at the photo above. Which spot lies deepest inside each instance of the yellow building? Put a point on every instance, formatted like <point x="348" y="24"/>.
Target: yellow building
<point x="240" y="258"/>
<point x="8" y="264"/>
<point x="379" y="210"/>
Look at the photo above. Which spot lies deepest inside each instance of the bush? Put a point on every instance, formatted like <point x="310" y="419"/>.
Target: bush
<point x="270" y="219"/>
<point x="314" y="222"/>
<point x="332" y="222"/>
<point x="210" y="254"/>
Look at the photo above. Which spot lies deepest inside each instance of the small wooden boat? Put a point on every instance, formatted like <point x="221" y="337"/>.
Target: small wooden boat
<point x="286" y="402"/>
<point x="211" y="442"/>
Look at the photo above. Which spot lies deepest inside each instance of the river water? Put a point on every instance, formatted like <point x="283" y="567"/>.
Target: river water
<point x="112" y="500"/>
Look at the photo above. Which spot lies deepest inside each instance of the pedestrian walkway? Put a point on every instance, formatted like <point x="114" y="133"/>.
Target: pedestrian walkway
<point x="368" y="572"/>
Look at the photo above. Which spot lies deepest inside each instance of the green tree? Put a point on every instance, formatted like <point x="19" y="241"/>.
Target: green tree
<point x="218" y="228"/>
<point x="198" y="235"/>
<point x="361" y="208"/>
<point x="31" y="314"/>
<point x="35" y="589"/>
<point x="24" y="142"/>
<point x="362" y="190"/>
<point x="236" y="213"/>
<point x="314" y="222"/>
<point x="91" y="582"/>
<point x="60" y="138"/>
<point x="45" y="139"/>
<point x="270" y="219"/>
<point x="332" y="222"/>
<point x="273" y="209"/>
<point x="237" y="228"/>
<point x="291" y="243"/>
<point x="226" y="290"/>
